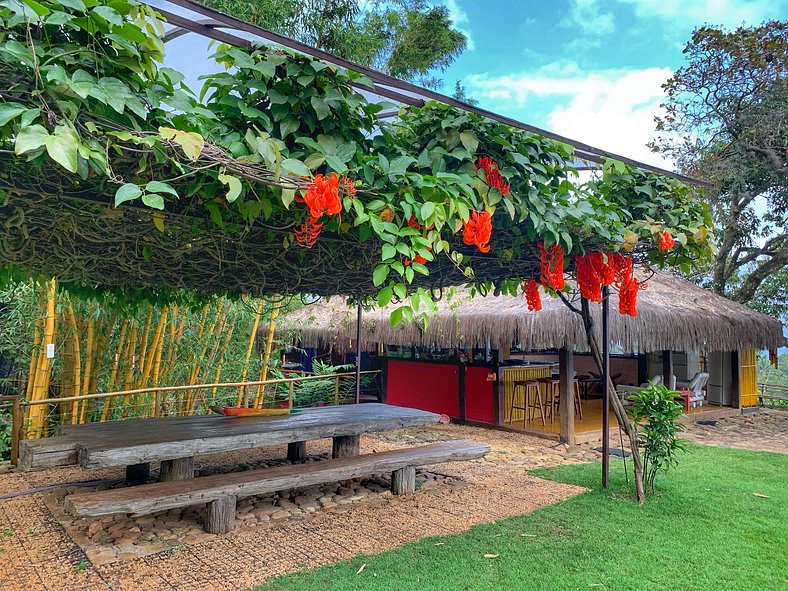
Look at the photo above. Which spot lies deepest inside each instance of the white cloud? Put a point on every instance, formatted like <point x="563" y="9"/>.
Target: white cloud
<point x="730" y="13"/>
<point x="460" y="20"/>
<point x="589" y="17"/>
<point x="610" y="109"/>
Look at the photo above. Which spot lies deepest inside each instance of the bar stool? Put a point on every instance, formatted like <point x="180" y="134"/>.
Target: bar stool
<point x="513" y="402"/>
<point x="534" y="402"/>
<point x="554" y="391"/>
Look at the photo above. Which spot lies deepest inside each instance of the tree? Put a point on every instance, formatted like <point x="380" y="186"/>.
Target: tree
<point x="727" y="122"/>
<point x="408" y="39"/>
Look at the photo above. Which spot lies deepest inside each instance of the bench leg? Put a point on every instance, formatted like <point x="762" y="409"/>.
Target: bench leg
<point x="180" y="469"/>
<point x="220" y="515"/>
<point x="346" y="446"/>
<point x="403" y="481"/>
<point x="296" y="451"/>
<point x="137" y="473"/>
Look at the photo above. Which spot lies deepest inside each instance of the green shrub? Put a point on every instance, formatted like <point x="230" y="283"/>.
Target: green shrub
<point x="655" y="414"/>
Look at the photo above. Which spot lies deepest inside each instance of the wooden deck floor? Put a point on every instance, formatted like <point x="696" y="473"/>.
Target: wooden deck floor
<point x="591" y="423"/>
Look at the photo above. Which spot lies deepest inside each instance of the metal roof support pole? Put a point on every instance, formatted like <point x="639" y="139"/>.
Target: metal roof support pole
<point x="358" y="351"/>
<point x="605" y="386"/>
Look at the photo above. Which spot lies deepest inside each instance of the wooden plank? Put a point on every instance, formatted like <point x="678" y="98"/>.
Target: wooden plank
<point x="220" y="515"/>
<point x="219" y="434"/>
<point x="296" y="451"/>
<point x="137" y="474"/>
<point x="160" y="496"/>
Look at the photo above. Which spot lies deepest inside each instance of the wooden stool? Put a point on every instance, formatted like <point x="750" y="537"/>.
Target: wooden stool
<point x="552" y="398"/>
<point x="578" y="404"/>
<point x="533" y="398"/>
<point x="513" y="401"/>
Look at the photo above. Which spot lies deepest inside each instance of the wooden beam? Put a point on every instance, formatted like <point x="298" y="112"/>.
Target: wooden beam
<point x="667" y="367"/>
<point x="220" y="515"/>
<point x="177" y="469"/>
<point x="403" y="481"/>
<point x="296" y="451"/>
<point x="566" y="395"/>
<point x="735" y="380"/>
<point x="346" y="446"/>
<point x="137" y="473"/>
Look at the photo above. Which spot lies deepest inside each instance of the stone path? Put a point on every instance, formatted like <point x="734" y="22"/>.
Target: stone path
<point x="762" y="430"/>
<point x="41" y="548"/>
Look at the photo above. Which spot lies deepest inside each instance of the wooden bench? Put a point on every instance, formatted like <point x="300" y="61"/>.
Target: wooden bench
<point x="221" y="490"/>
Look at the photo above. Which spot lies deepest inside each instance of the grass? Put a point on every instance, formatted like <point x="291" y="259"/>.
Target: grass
<point x="705" y="529"/>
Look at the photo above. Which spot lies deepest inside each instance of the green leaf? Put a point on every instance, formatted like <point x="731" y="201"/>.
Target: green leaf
<point x="109" y="14"/>
<point x="296" y="167"/>
<point x="288" y="195"/>
<point x="30" y="138"/>
<point x="158" y="221"/>
<point x="153" y="200"/>
<point x="396" y="317"/>
<point x="233" y="186"/>
<point x="336" y="163"/>
<point x="289" y="125"/>
<point x="400" y="290"/>
<point x="215" y="213"/>
<point x="321" y="108"/>
<point x="385" y="295"/>
<point x="127" y="192"/>
<point x="9" y="111"/>
<point x="62" y="147"/>
<point x="160" y="187"/>
<point x="379" y="274"/>
<point x="346" y="151"/>
<point x="388" y="252"/>
<point x="427" y="210"/>
<point x="469" y="141"/>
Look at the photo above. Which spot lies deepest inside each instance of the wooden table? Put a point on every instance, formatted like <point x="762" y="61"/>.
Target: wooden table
<point x="175" y="441"/>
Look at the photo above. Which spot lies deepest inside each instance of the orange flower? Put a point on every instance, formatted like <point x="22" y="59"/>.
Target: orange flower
<point x="494" y="178"/>
<point x="420" y="259"/>
<point x="306" y="235"/>
<point x="322" y="196"/>
<point x="666" y="241"/>
<point x="348" y="185"/>
<point x="532" y="297"/>
<point x="478" y="230"/>
<point x="551" y="264"/>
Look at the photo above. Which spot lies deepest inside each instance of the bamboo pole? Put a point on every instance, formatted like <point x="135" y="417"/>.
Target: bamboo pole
<point x="115" y="365"/>
<point x="194" y="376"/>
<point x="34" y="353"/>
<point x="77" y="361"/>
<point x="156" y="369"/>
<point x="43" y="367"/>
<point x="269" y="341"/>
<point x="89" y="345"/>
<point x="144" y="344"/>
<point x="130" y="361"/>
<point x="227" y="337"/>
<point x="154" y="347"/>
<point x="99" y="347"/>
<point x="241" y="391"/>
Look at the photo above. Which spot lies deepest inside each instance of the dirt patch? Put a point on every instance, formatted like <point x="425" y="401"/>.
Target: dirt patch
<point x="42" y="548"/>
<point x="762" y="430"/>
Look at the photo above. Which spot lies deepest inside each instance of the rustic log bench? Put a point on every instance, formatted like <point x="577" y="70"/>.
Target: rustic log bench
<point x="221" y="490"/>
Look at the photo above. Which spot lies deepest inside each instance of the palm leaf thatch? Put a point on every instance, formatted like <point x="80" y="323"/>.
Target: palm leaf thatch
<point x="672" y="314"/>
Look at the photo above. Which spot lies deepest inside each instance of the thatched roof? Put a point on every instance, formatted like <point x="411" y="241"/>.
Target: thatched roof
<point x="672" y="314"/>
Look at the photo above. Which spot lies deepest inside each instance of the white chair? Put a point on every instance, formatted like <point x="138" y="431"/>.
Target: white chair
<point x="696" y="387"/>
<point x="659" y="380"/>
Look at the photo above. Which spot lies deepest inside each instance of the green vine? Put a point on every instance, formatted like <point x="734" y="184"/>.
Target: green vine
<point x="87" y="112"/>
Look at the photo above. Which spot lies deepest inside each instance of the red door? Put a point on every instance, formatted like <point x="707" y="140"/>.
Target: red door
<point x="427" y="386"/>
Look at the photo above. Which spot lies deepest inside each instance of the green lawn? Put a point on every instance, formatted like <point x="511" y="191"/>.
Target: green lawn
<point x="705" y="530"/>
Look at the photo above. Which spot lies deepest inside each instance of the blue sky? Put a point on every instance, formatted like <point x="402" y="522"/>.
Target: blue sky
<point x="590" y="70"/>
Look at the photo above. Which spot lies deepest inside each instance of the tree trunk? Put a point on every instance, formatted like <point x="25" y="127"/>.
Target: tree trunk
<point x="615" y="401"/>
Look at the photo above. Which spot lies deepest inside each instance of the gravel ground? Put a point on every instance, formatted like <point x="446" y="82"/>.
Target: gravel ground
<point x="764" y="430"/>
<point x="42" y="548"/>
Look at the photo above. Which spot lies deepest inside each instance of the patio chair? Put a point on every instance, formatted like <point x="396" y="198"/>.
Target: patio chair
<point x="658" y="379"/>
<point x="696" y="387"/>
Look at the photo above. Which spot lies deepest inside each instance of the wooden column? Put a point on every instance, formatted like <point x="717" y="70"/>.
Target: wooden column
<point x="296" y="451"/>
<point x="667" y="367"/>
<point x="220" y="515"/>
<point x="735" y="380"/>
<point x="566" y="396"/>
<point x="346" y="446"/>
<point x="138" y="473"/>
<point x="403" y="481"/>
<point x="178" y="469"/>
<point x="643" y="376"/>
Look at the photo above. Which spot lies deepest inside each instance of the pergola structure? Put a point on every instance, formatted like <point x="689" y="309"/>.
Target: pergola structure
<point x="63" y="224"/>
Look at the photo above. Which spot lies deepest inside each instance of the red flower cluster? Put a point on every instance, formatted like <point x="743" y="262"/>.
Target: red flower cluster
<point x="666" y="241"/>
<point x="321" y="197"/>
<point x="551" y="264"/>
<point x="348" y="185"/>
<point x="419" y="259"/>
<point x="494" y="178"/>
<point x="306" y="235"/>
<point x="597" y="269"/>
<point x="532" y="296"/>
<point x="414" y="223"/>
<point x="477" y="230"/>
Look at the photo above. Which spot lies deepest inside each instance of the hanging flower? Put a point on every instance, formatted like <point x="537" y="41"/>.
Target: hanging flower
<point x="591" y="275"/>
<point x="666" y="241"/>
<point x="477" y="230"/>
<point x="306" y="234"/>
<point x="551" y="265"/>
<point x="414" y="223"/>
<point x="419" y="259"/>
<point x="627" y="296"/>
<point x="532" y="297"/>
<point x="493" y="176"/>
<point x="348" y="186"/>
<point x="322" y="196"/>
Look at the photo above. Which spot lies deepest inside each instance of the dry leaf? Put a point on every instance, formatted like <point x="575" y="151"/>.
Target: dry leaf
<point x="760" y="496"/>
<point x="491" y="555"/>
<point x="439" y="543"/>
<point x="363" y="566"/>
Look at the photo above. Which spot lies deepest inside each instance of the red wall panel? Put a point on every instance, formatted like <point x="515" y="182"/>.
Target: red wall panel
<point x="427" y="386"/>
<point x="479" y="398"/>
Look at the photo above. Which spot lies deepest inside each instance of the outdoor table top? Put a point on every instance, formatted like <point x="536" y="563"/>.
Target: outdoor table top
<point x="125" y="443"/>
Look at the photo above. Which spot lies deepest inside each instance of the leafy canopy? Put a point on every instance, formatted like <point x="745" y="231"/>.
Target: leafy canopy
<point x="206" y="186"/>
